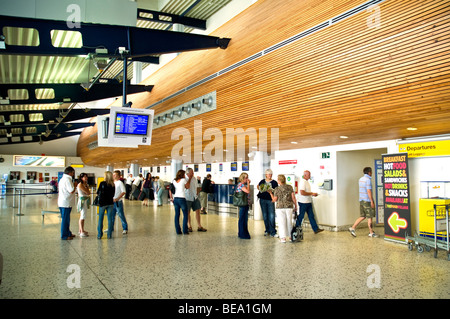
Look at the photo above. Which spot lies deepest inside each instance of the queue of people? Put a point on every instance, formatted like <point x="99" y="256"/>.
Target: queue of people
<point x="277" y="200"/>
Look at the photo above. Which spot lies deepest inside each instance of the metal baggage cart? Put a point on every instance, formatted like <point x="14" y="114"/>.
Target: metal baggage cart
<point x="441" y="223"/>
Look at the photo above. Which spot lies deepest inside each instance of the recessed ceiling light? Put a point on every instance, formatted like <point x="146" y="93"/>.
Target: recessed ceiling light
<point x="293" y="142"/>
<point x="412" y="128"/>
<point x="343" y="136"/>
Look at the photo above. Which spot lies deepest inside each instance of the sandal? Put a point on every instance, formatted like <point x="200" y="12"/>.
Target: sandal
<point x="201" y="229"/>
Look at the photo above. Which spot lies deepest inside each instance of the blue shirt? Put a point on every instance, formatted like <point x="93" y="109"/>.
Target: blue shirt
<point x="364" y="185"/>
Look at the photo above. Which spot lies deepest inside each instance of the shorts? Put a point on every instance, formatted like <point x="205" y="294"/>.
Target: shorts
<point x="366" y="210"/>
<point x="203" y="199"/>
<point x="195" y="205"/>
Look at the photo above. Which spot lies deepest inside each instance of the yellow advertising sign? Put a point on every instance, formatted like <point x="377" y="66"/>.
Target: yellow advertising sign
<point x="426" y="149"/>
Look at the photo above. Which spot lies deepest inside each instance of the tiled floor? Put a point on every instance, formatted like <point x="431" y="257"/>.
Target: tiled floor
<point x="153" y="262"/>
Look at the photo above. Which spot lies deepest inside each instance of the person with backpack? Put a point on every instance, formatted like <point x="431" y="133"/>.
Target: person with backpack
<point x="105" y="194"/>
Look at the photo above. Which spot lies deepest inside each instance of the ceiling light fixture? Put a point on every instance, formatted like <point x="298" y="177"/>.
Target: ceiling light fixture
<point x="343" y="136"/>
<point x="208" y="101"/>
<point x="411" y="128"/>
<point x="186" y="109"/>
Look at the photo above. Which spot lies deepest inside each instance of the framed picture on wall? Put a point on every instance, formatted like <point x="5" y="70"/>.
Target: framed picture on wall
<point x="208" y="167"/>
<point x="245" y="166"/>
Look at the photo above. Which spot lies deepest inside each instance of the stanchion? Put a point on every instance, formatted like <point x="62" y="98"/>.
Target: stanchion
<point x="19" y="212"/>
<point x="14" y="197"/>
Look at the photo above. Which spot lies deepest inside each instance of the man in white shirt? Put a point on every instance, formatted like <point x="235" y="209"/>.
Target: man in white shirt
<point x="136" y="185"/>
<point x="66" y="198"/>
<point x="305" y="203"/>
<point x="128" y="183"/>
<point x="119" y="193"/>
<point x="192" y="200"/>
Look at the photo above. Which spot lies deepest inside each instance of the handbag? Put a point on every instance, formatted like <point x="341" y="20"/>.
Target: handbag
<point x="240" y="199"/>
<point x="141" y="196"/>
<point x="96" y="201"/>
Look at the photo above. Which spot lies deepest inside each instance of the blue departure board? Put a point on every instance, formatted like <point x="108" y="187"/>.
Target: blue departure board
<point x="131" y="124"/>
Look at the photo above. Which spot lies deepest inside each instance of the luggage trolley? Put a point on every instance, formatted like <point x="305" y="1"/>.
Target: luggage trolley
<point x="441" y="223"/>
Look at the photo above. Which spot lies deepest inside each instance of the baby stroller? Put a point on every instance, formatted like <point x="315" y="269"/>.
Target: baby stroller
<point x="297" y="231"/>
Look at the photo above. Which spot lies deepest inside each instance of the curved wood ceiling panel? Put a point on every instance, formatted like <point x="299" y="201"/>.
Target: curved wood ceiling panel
<point x="347" y="79"/>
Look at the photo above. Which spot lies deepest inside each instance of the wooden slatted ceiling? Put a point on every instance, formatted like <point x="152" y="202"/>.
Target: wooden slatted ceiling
<point x="348" y="79"/>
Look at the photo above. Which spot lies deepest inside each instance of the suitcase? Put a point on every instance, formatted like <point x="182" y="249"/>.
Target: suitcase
<point x="297" y="231"/>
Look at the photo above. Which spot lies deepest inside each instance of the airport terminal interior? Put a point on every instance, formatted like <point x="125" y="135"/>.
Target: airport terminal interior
<point x="314" y="91"/>
<point x="153" y="262"/>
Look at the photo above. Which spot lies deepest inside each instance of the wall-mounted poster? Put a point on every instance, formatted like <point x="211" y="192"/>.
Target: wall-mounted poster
<point x="208" y="167"/>
<point x="220" y="167"/>
<point x="245" y="166"/>
<point x="397" y="213"/>
<point x="39" y="161"/>
<point x="234" y="166"/>
<point x="195" y="167"/>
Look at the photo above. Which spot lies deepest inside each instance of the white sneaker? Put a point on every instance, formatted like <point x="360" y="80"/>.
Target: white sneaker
<point x="373" y="235"/>
<point x="125" y="232"/>
<point x="84" y="235"/>
<point x="352" y="231"/>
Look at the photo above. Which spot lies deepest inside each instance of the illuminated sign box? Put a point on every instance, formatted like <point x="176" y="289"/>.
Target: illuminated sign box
<point x="129" y="127"/>
<point x="39" y="161"/>
<point x="426" y="149"/>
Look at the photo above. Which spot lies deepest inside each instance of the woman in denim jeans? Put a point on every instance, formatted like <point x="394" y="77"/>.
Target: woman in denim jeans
<point x="179" y="201"/>
<point x="243" y="186"/>
<point x="105" y="193"/>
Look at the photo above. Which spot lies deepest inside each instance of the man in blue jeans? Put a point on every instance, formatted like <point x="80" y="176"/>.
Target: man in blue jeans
<point x="267" y="206"/>
<point x="305" y="203"/>
<point x="119" y="193"/>
<point x="66" y="198"/>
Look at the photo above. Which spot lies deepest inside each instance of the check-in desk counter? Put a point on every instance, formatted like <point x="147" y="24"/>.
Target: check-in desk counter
<point x="29" y="188"/>
<point x="221" y="201"/>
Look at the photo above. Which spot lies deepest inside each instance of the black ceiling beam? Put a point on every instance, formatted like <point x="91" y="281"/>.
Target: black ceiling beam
<point x="70" y="93"/>
<point x="139" y="42"/>
<point x="172" y="18"/>
<point x="48" y="128"/>
<point x="36" y="138"/>
<point x="51" y="116"/>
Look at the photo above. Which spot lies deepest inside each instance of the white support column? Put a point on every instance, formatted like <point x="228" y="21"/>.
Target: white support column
<point x="137" y="72"/>
<point x="134" y="169"/>
<point x="261" y="161"/>
<point x="175" y="166"/>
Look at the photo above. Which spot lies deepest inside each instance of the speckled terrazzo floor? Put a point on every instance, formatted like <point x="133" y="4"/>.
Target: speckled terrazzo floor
<point x="153" y="262"/>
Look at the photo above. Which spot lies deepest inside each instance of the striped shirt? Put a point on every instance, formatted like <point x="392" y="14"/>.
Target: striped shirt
<point x="364" y="185"/>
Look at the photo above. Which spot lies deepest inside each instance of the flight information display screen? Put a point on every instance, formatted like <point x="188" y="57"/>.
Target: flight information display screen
<point x="131" y="124"/>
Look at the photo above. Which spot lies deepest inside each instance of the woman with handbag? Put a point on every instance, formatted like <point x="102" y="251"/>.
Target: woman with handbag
<point x="284" y="197"/>
<point x="105" y="194"/>
<point x="179" y="201"/>
<point x="146" y="188"/>
<point x="241" y="200"/>
<point x="84" y="201"/>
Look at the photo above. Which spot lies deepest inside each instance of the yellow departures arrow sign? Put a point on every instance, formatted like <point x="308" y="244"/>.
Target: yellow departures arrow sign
<point x="395" y="222"/>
